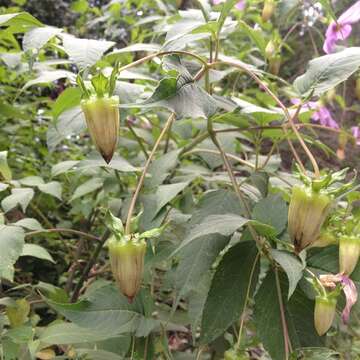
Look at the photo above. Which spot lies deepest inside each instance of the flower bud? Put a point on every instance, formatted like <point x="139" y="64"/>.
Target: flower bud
<point x="357" y="88"/>
<point x="275" y="65"/>
<point x="127" y="263"/>
<point x="103" y="120"/>
<point x="268" y="10"/>
<point x="270" y="50"/>
<point x="307" y="212"/>
<point x="325" y="308"/>
<point x="349" y="251"/>
<point x="232" y="354"/>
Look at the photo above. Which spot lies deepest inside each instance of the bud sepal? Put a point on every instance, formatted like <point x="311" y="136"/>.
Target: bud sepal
<point x="349" y="251"/>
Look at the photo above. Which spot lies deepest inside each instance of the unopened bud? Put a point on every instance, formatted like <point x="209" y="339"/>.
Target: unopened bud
<point x="325" y="308"/>
<point x="103" y="120"/>
<point x="270" y="50"/>
<point x="127" y="264"/>
<point x="268" y="10"/>
<point x="307" y="213"/>
<point x="357" y="88"/>
<point x="349" y="251"/>
<point x="274" y="65"/>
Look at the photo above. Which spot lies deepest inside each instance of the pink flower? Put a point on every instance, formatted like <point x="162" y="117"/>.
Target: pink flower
<point x="341" y="29"/>
<point x="355" y="130"/>
<point x="240" y="4"/>
<point x="321" y="114"/>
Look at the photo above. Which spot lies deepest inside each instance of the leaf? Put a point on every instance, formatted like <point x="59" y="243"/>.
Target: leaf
<point x="36" y="251"/>
<point x="68" y="99"/>
<point x="183" y="42"/>
<point x="53" y="188"/>
<point x="106" y="308"/>
<point x="32" y="181"/>
<point x="5" y="171"/>
<point x="85" y="52"/>
<point x="86" y="188"/>
<point x="237" y="271"/>
<point x="38" y="37"/>
<point x="29" y="223"/>
<point x="20" y="197"/>
<point x="299" y="313"/>
<point x="11" y="246"/>
<point x="63" y="167"/>
<point x="292" y="267"/>
<point x="20" y="22"/>
<point x="98" y="354"/>
<point x="65" y="333"/>
<point x="277" y="217"/>
<point x="182" y="96"/>
<point x="47" y="76"/>
<point x="136" y="47"/>
<point x="18" y="312"/>
<point x="325" y="72"/>
<point x="95" y="160"/>
<point x="225" y="11"/>
<point x="256" y="35"/>
<point x="225" y="224"/>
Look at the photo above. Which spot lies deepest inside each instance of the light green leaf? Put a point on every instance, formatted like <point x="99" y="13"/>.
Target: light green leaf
<point x="5" y="171"/>
<point x="117" y="163"/>
<point x="237" y="270"/>
<point x="53" y="188"/>
<point x="136" y="47"/>
<point x="86" y="188"/>
<point x="32" y="181"/>
<point x="19" y="22"/>
<point x="256" y="35"/>
<point x="292" y="267"/>
<point x="325" y="72"/>
<point x="99" y="354"/>
<point x="63" y="167"/>
<point x="11" y="246"/>
<point x="38" y="37"/>
<point x="277" y="217"/>
<point x="36" y="251"/>
<point x="29" y="223"/>
<point x="49" y="76"/>
<point x="85" y="52"/>
<point x="68" y="99"/>
<point x="20" y="197"/>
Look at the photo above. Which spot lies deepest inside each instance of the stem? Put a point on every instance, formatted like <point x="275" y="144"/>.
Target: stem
<point x="288" y="117"/>
<point x="62" y="230"/>
<point x="246" y="301"/>
<point x="142" y="177"/>
<point x="41" y="215"/>
<point x="282" y="313"/>
<point x="200" y="138"/>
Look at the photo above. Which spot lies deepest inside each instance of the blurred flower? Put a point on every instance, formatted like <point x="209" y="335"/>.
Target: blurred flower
<point x="321" y="114"/>
<point x="355" y="130"/>
<point x="348" y="287"/>
<point x="341" y="29"/>
<point x="240" y="4"/>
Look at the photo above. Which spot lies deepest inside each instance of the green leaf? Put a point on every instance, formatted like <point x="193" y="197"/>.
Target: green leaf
<point x="68" y="99"/>
<point x="19" y="22"/>
<point x="225" y="11"/>
<point x="256" y="35"/>
<point x="277" y="217"/>
<point x="85" y="52"/>
<point x="63" y="167"/>
<point x="36" y="251"/>
<point x="38" y="37"/>
<point x="11" y="246"/>
<point x="237" y="271"/>
<point x="225" y="224"/>
<point x="32" y="181"/>
<point x="299" y="314"/>
<point x="65" y="333"/>
<point x="87" y="187"/>
<point x="29" y="223"/>
<point x="292" y="267"/>
<point x="98" y="354"/>
<point x="20" y="197"/>
<point x="48" y="76"/>
<point x="95" y="160"/>
<point x="136" y="47"/>
<point x="325" y="72"/>
<point x="53" y="188"/>
<point x="5" y="171"/>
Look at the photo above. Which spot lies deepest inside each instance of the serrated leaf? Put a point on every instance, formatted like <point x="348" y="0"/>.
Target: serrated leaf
<point x="11" y="246"/>
<point x="227" y="295"/>
<point x="38" y="37"/>
<point x="20" y="197"/>
<point x="292" y="267"/>
<point x="325" y="72"/>
<point x="85" y="52"/>
<point x="19" y="22"/>
<point x="36" y="251"/>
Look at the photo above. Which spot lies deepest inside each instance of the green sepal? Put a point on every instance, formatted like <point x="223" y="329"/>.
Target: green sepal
<point x="115" y="225"/>
<point x="152" y="233"/>
<point x="80" y="81"/>
<point x="100" y="84"/>
<point x="112" y="80"/>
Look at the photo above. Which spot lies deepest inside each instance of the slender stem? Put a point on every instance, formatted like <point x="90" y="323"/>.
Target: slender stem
<point x="293" y="150"/>
<point x="41" y="215"/>
<point x="246" y="300"/>
<point x="282" y="313"/>
<point x="168" y="137"/>
<point x="200" y="351"/>
<point x="282" y="106"/>
<point x="62" y="230"/>
<point x="143" y="174"/>
<point x="200" y="138"/>
<point x="138" y="139"/>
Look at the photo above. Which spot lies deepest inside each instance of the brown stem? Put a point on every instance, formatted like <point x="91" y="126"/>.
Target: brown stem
<point x="143" y="174"/>
<point x="62" y="230"/>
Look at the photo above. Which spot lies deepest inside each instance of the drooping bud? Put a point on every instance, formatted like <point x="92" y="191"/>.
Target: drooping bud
<point x="268" y="10"/>
<point x="275" y="65"/>
<point x="325" y="308"/>
<point x="349" y="251"/>
<point x="307" y="212"/>
<point x="127" y="263"/>
<point x="103" y="121"/>
<point x="101" y="110"/>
